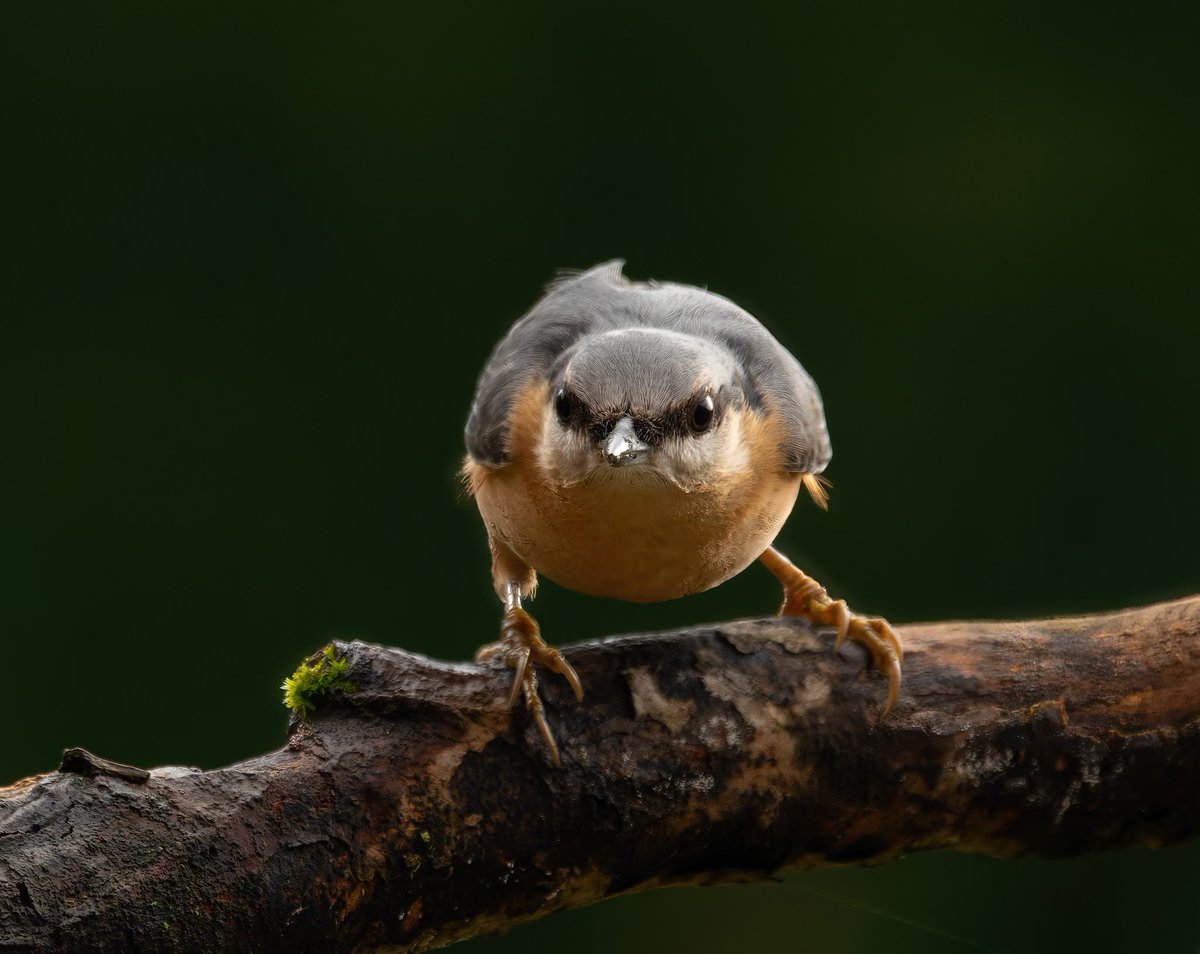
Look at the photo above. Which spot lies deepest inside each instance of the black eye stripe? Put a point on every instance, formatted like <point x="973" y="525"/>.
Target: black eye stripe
<point x="601" y="429"/>
<point x="650" y="431"/>
<point x="696" y="416"/>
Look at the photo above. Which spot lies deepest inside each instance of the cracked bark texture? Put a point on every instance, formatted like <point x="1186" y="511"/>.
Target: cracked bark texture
<point x="412" y="811"/>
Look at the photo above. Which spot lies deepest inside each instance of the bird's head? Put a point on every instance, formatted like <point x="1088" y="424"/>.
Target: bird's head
<point x="645" y="404"/>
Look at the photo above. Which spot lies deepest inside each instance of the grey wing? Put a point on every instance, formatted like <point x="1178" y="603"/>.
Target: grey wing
<point x="529" y="350"/>
<point x="774" y="379"/>
<point x="806" y="448"/>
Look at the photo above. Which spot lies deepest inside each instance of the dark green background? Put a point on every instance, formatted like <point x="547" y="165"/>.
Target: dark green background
<point x="256" y="259"/>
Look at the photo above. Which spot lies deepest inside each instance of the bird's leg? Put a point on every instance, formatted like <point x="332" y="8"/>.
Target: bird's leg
<point x="804" y="596"/>
<point x="521" y="645"/>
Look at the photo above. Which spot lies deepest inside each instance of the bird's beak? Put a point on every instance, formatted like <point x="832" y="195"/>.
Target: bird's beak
<point x="622" y="446"/>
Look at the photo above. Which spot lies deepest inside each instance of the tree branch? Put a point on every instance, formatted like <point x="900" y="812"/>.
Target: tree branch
<point x="411" y="810"/>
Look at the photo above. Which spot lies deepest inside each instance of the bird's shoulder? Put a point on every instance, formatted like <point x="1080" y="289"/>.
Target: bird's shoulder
<point x="574" y="305"/>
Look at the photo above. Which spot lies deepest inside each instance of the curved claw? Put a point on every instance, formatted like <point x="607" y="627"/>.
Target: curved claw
<point x="884" y="629"/>
<point x="559" y="665"/>
<point x="877" y="636"/>
<point x="841" y="618"/>
<point x="538" y="712"/>
<point x="520" y="665"/>
<point x="888" y="658"/>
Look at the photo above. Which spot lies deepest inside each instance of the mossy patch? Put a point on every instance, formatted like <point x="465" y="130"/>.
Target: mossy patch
<point x="313" y="679"/>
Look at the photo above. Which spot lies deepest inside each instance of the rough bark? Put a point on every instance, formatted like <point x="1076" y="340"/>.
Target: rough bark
<point x="411" y="811"/>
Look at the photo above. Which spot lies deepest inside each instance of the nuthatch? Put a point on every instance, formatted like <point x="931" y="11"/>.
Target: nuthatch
<point x="644" y="441"/>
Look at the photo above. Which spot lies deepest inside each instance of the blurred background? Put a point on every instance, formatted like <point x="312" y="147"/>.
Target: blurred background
<point x="255" y="260"/>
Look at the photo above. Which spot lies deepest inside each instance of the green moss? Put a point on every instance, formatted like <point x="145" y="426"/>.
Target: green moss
<point x="312" y="680"/>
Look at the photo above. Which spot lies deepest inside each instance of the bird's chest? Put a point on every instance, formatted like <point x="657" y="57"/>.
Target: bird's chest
<point x="637" y="539"/>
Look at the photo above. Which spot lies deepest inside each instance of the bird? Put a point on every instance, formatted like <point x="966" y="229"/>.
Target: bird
<point x="643" y="441"/>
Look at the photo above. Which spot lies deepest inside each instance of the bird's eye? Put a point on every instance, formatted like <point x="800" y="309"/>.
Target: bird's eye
<point x="702" y="414"/>
<point x="564" y="407"/>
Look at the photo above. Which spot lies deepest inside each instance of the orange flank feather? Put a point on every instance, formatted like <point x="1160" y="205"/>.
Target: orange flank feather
<point x="818" y="488"/>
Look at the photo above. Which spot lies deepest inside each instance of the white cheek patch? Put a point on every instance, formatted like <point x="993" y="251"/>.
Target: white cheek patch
<point x="686" y="459"/>
<point x="734" y="454"/>
<point x="701" y="458"/>
<point x="566" y="455"/>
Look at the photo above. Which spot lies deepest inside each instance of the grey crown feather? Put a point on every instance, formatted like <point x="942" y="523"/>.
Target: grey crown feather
<point x="602" y="299"/>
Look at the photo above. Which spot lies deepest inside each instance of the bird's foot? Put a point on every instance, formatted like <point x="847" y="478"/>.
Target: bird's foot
<point x="804" y="596"/>
<point x="522" y="649"/>
<point x="873" y="633"/>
